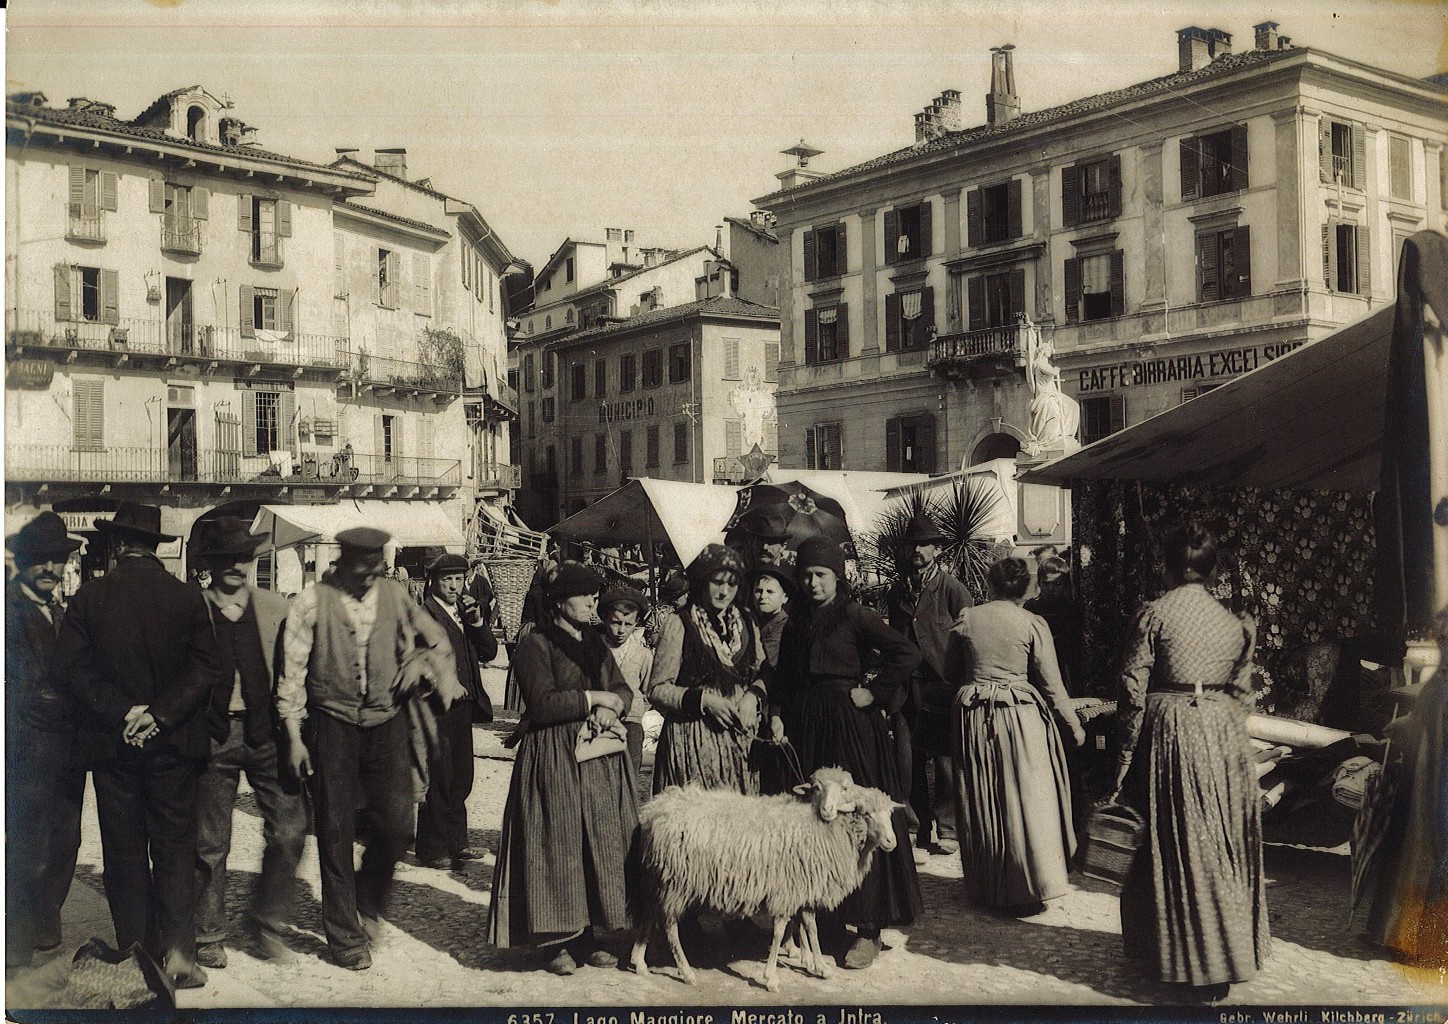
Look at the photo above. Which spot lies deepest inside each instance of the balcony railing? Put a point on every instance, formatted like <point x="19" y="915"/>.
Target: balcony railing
<point x="267" y="254"/>
<point x="62" y="463"/>
<point x="407" y="471"/>
<point x="502" y="394"/>
<point x="181" y="234"/>
<point x="1096" y="206"/>
<point x="989" y="341"/>
<point x="86" y="224"/>
<point x="367" y="368"/>
<point x="40" y="329"/>
<point x="502" y="477"/>
<point x="1342" y="169"/>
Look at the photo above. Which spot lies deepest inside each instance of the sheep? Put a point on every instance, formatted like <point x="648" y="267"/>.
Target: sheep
<point x="740" y="855"/>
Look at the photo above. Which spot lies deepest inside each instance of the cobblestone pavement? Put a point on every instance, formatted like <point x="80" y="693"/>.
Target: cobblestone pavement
<point x="433" y="951"/>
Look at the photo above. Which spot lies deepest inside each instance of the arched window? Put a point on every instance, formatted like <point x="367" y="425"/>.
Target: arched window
<point x="569" y="315"/>
<point x="548" y="322"/>
<point x="196" y="124"/>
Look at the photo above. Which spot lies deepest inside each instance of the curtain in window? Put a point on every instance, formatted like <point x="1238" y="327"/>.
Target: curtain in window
<point x="828" y="315"/>
<point x="910" y="305"/>
<point x="1095" y="275"/>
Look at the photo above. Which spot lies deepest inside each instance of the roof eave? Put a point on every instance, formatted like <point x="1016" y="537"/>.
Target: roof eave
<point x="392" y="223"/>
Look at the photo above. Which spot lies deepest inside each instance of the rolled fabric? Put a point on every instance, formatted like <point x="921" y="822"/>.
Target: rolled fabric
<point x="1293" y="733"/>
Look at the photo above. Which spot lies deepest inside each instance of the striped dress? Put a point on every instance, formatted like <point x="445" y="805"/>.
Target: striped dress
<point x="1193" y="903"/>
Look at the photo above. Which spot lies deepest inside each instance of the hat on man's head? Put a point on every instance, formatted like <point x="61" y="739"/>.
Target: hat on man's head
<point x="781" y="573"/>
<point x="227" y="536"/>
<point x="573" y="579"/>
<point x="447" y="562"/>
<point x="364" y="538"/>
<point x="922" y="530"/>
<point x="615" y="596"/>
<point x="135" y="521"/>
<point x="768" y="524"/>
<point x="823" y="552"/>
<point x="674" y="587"/>
<point x="42" y="539"/>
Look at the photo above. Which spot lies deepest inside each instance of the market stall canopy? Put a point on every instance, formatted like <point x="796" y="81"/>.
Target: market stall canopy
<point x="687" y="516"/>
<point x="862" y="495"/>
<point x="1309" y="420"/>
<point x="411" y="523"/>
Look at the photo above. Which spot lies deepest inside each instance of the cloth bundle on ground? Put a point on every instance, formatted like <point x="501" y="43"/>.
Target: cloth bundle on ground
<point x="96" y="978"/>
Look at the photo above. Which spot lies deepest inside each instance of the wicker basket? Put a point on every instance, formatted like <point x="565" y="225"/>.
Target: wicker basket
<point x="511" y="578"/>
<point x="1113" y="835"/>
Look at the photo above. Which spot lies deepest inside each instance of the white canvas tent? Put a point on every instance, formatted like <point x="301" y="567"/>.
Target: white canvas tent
<point x="647" y="511"/>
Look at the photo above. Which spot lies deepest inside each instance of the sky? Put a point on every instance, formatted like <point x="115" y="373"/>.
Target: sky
<point x="559" y="118"/>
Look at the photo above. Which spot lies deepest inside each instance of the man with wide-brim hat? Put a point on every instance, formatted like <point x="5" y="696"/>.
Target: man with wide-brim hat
<point x="348" y="673"/>
<point x="442" y="819"/>
<point x="137" y="650"/>
<point x="43" y="786"/>
<point x="767" y="536"/>
<point x="245" y="737"/>
<point x="923" y="604"/>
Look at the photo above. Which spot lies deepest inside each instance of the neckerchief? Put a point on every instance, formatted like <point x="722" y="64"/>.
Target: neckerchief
<point x="726" y="646"/>
<point x="587" y="656"/>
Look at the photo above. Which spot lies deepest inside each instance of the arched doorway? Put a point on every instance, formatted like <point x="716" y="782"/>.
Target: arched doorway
<point x="995" y="446"/>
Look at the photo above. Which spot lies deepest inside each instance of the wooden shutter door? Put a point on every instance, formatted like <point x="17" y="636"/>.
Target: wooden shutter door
<point x="379" y="440"/>
<point x="925" y="444"/>
<point x="200" y="203"/>
<point x="394" y="280"/>
<point x="421" y="292"/>
<point x="80" y="414"/>
<point x="248" y="423"/>
<point x="733" y="438"/>
<point x="243" y="213"/>
<point x="1118" y="413"/>
<point x="1329" y="250"/>
<point x="1208" y="266"/>
<point x="1324" y="149"/>
<point x="1359" y="157"/>
<point x="927" y="232"/>
<point x="972" y="217"/>
<point x="1190" y="160"/>
<point x="1073" y="289"/>
<point x="892" y="445"/>
<point x="1017" y="286"/>
<point x="811" y="336"/>
<point x="1364" y="261"/>
<point x="77" y="190"/>
<point x="248" y="311"/>
<point x="287" y="300"/>
<point x="834" y="456"/>
<point x="1113" y="184"/>
<point x="927" y="316"/>
<point x="731" y="358"/>
<point x="811" y="251"/>
<point x="810" y="456"/>
<point x="842" y="331"/>
<point x="1015" y="220"/>
<point x="1242" y="251"/>
<point x="1239" y="157"/>
<point x="841" y="250"/>
<point x="286" y="419"/>
<point x="1070" y="196"/>
<point x="892" y="237"/>
<point x="157" y="195"/>
<point x="110" y="297"/>
<point x="284" y="219"/>
<point x="892" y="322"/>
<point x="62" y="292"/>
<point x="1118" y="283"/>
<point x="975" y="302"/>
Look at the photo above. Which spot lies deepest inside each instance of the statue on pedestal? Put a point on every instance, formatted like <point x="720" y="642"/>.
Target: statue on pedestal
<point x="1055" y="417"/>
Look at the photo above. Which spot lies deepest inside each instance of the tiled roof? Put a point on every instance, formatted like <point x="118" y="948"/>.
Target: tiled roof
<point x="1224" y="65"/>
<point x="751" y="227"/>
<point x="364" y="168"/>
<point x="100" y="122"/>
<point x="719" y="305"/>
<point x="349" y="205"/>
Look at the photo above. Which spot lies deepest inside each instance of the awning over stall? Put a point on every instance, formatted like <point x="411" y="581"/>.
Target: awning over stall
<point x="1311" y="420"/>
<point x="688" y="516"/>
<point x="411" y="523"/>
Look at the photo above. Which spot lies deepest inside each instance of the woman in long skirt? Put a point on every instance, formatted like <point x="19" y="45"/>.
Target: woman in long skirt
<point x="1193" y="903"/>
<point x="568" y="824"/>
<point x="834" y="718"/>
<point x="1013" y="794"/>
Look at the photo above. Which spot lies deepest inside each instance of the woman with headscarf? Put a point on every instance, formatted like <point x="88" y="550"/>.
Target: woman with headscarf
<point x="1193" y="904"/>
<point x="1013" y="794"/>
<point x="568" y="824"/>
<point x="835" y="717"/>
<point x="705" y="682"/>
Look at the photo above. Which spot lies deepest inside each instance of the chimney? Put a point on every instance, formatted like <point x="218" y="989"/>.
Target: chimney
<point x="94" y="106"/>
<point x="1002" y="103"/>
<point x="949" y="104"/>
<point x="719" y="238"/>
<point x="1198" y="47"/>
<point x="800" y="173"/>
<point x="347" y="151"/>
<point x="391" y="161"/>
<point x="1266" y="35"/>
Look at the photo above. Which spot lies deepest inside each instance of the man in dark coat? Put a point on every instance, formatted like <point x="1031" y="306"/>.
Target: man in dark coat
<point x="44" y="788"/>
<point x="442" y="819"/>
<point x="137" y="651"/>
<point x="923" y="605"/>
<point x="244" y="737"/>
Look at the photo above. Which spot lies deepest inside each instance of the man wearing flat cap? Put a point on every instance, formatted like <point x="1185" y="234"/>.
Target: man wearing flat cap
<point x="137" y="652"/>
<point x="43" y="785"/>
<point x="356" y="648"/>
<point x="248" y="624"/>
<point x="442" y="819"/>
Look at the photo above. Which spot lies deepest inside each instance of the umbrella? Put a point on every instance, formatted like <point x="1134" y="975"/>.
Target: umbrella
<point x="807" y="513"/>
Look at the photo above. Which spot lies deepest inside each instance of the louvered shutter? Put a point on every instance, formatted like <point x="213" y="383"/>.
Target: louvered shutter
<point x="841" y="252"/>
<point x="975" y="301"/>
<point x="243" y="212"/>
<point x="1191" y="161"/>
<point x="731" y="358"/>
<point x="972" y="217"/>
<point x="925" y="444"/>
<point x="421" y="285"/>
<point x="1073" y="289"/>
<point x="339" y="271"/>
<point x="1400" y="155"/>
<point x="1118" y="413"/>
<point x="77" y="190"/>
<point x="83" y="433"/>
<point x="1239" y="157"/>
<point x="379" y="440"/>
<point x="467" y="267"/>
<point x="1017" y="286"/>
<point x="1070" y="196"/>
<point x="284" y="219"/>
<point x="287" y="299"/>
<point x="286" y="419"/>
<point x="62" y="292"/>
<point x="1208" y="266"/>
<point x="1015" y="221"/>
<point x="811" y="251"/>
<point x="811" y="336"/>
<point x="1364" y="262"/>
<point x="1359" y="157"/>
<point x="248" y="311"/>
<point x="1113" y="184"/>
<point x="892" y="445"/>
<point x="771" y="360"/>
<point x="927" y="232"/>
<point x="927" y="316"/>
<point x="810" y="449"/>
<point x="1324" y="149"/>
<point x="733" y="438"/>
<point x="394" y="280"/>
<point x="378" y="297"/>
<point x="892" y="322"/>
<point x="426" y="439"/>
<point x="834" y="455"/>
<point x="110" y="297"/>
<point x="1118" y="283"/>
<point x="157" y="195"/>
<point x="248" y="423"/>
<point x="892" y="237"/>
<point x="842" y="331"/>
<point x="200" y="203"/>
<point x="1242" y="252"/>
<point x="1329" y="246"/>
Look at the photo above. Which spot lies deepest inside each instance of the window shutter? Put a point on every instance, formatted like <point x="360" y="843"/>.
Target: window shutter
<point x="339" y="270"/>
<point x="467" y="265"/>
<point x="771" y="360"/>
<point x="243" y="211"/>
<point x="200" y="203"/>
<point x="1329" y="244"/>
<point x="927" y="232"/>
<point x="1018" y="290"/>
<point x="1208" y="260"/>
<point x="834" y="456"/>
<point x="397" y="439"/>
<point x="284" y="219"/>
<point x="1324" y="149"/>
<point x="248" y="423"/>
<point x="1070" y="196"/>
<point x="1014" y="217"/>
<point x="394" y="280"/>
<point x="1239" y="157"/>
<point x="1073" y="290"/>
<point x="1359" y="157"/>
<point x="379" y="438"/>
<point x="810" y="458"/>
<point x="973" y="223"/>
<point x="811" y="250"/>
<point x="1113" y="184"/>
<point x="421" y="284"/>
<point x="287" y="299"/>
<point x="1400" y="155"/>
<point x="975" y="300"/>
<point x="892" y="322"/>
<point x="925" y="442"/>
<point x="77" y="190"/>
<point x="731" y="358"/>
<point x="1191" y="159"/>
<point x="733" y="438"/>
<point x="1118" y="413"/>
<point x="248" y="312"/>
<point x="842" y="331"/>
<point x="927" y="315"/>
<point x="1118" y="283"/>
<point x="286" y="419"/>
<point x="1242" y="251"/>
<point x="841" y="253"/>
<point x="1364" y="262"/>
<point x="62" y="292"/>
<point x="157" y="195"/>
<point x="110" y="297"/>
<point x="892" y="237"/>
<point x="80" y="413"/>
<point x="811" y="336"/>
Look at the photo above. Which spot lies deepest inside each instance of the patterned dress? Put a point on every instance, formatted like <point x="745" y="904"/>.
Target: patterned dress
<point x="1193" y="902"/>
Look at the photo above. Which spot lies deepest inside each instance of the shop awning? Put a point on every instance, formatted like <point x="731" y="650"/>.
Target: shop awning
<point x="688" y="516"/>
<point x="1311" y="420"/>
<point x="411" y="523"/>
